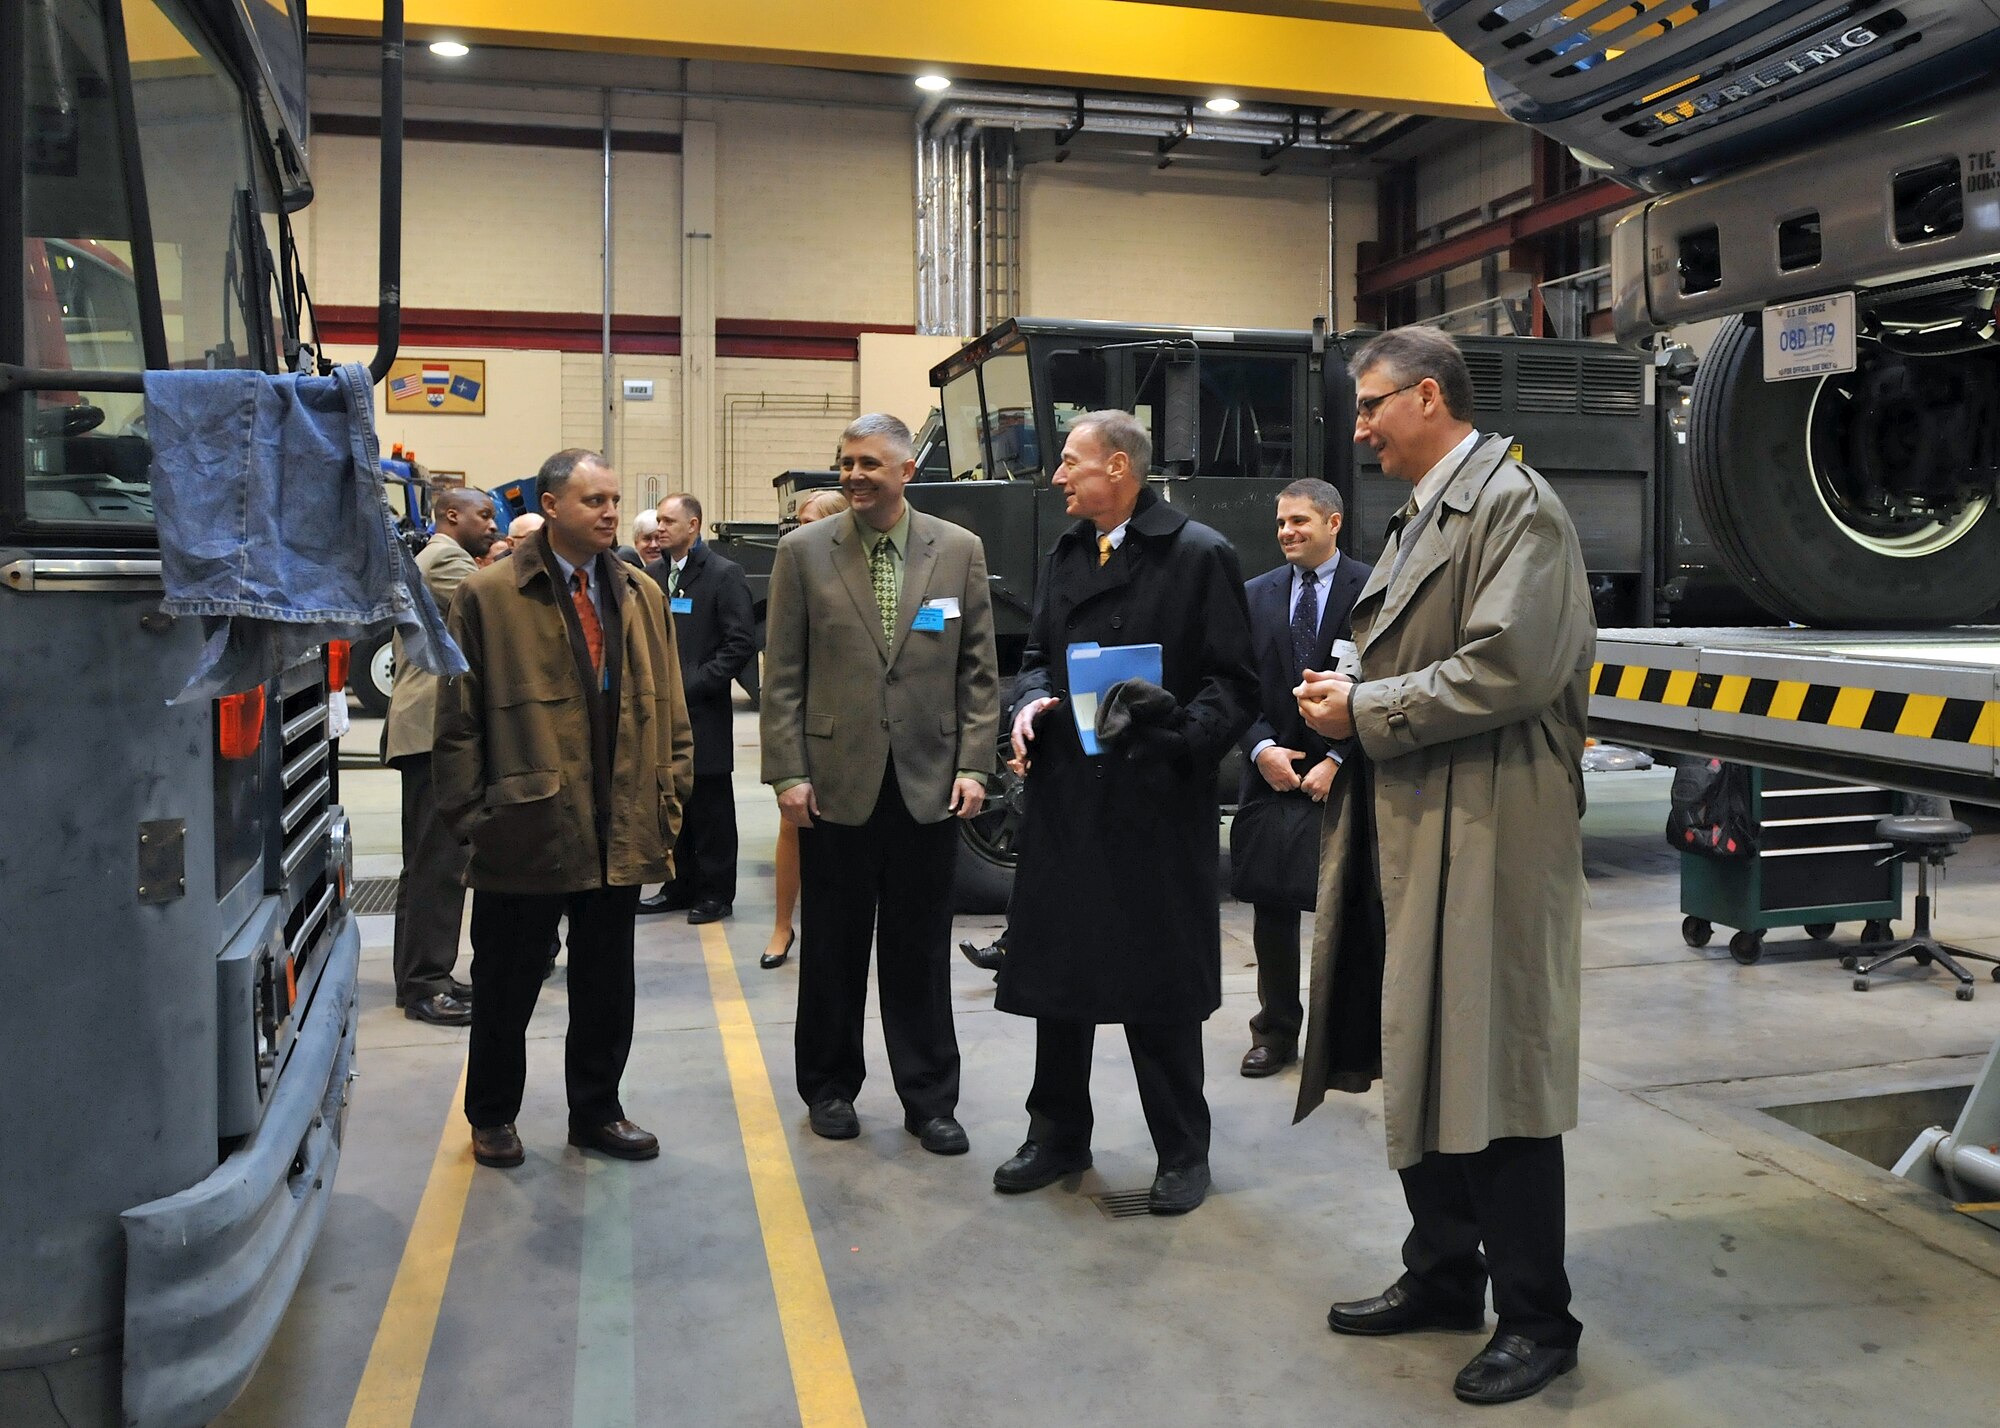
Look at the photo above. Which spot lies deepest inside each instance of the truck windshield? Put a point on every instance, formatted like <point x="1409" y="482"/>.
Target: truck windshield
<point x="963" y="422"/>
<point x="84" y="285"/>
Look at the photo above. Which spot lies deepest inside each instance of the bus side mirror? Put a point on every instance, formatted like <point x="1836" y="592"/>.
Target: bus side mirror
<point x="1182" y="448"/>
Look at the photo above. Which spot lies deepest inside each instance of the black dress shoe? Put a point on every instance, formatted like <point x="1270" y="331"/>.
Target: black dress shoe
<point x="1035" y="1165"/>
<point x="834" y="1119"/>
<point x="940" y="1135"/>
<point x="666" y="900"/>
<point x="1395" y="1311"/>
<point x="497" y="1146"/>
<point x="1512" y="1367"/>
<point x="1266" y="1061"/>
<point x="1175" y="1192"/>
<point x="777" y="959"/>
<point x="986" y="959"/>
<point x="442" y="1009"/>
<point x="709" y="910"/>
<point x="461" y="990"/>
<point x="619" y="1138"/>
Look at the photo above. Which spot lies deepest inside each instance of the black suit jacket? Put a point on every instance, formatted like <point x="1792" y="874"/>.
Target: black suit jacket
<point x="1278" y="719"/>
<point x="717" y="638"/>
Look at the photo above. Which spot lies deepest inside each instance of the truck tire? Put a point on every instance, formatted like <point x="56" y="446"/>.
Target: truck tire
<point x="984" y="878"/>
<point x="1805" y="484"/>
<point x="371" y="672"/>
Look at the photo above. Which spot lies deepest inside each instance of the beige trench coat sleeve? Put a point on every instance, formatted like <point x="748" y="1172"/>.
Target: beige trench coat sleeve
<point x="458" y="748"/>
<point x="1518" y="647"/>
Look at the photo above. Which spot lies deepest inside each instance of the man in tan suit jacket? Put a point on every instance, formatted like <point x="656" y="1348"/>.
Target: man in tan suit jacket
<point x="430" y="891"/>
<point x="880" y="710"/>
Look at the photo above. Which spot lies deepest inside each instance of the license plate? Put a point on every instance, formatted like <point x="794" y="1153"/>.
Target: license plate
<point x="1809" y="339"/>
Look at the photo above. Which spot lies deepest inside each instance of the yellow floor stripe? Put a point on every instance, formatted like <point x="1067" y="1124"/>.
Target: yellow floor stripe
<point x="821" y="1375"/>
<point x="387" y="1397"/>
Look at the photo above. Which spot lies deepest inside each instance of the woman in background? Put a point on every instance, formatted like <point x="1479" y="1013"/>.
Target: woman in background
<point x="814" y="507"/>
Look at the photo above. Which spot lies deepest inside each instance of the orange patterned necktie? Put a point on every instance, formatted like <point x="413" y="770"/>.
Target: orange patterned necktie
<point x="586" y="616"/>
<point x="1103" y="549"/>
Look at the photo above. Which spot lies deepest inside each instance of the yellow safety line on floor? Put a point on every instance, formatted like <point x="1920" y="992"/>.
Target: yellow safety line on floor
<point x="387" y="1397"/>
<point x="821" y="1375"/>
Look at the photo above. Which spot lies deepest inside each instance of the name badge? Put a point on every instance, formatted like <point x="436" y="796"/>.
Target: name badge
<point x="681" y="605"/>
<point x="930" y="618"/>
<point x="946" y="603"/>
<point x="1346" y="659"/>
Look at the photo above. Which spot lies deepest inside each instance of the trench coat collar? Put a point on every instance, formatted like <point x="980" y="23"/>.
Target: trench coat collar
<point x="1151" y="519"/>
<point x="537" y="558"/>
<point x="1434" y="543"/>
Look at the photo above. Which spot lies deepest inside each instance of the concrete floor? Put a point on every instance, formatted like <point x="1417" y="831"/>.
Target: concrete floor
<point x="1728" y="1268"/>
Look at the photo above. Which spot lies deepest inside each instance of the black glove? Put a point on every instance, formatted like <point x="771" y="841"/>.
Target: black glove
<point x="1143" y="723"/>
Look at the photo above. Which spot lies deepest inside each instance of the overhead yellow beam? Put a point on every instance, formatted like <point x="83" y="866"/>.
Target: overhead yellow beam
<point x="1175" y="48"/>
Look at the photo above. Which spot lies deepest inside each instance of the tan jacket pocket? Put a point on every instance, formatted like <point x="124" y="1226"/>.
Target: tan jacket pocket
<point x="521" y="819"/>
<point x="947" y="721"/>
<point x="819" y="726"/>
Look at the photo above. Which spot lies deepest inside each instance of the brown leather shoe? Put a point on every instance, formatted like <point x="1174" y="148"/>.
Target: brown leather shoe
<point x="619" y="1138"/>
<point x="1267" y="1061"/>
<point x="497" y="1146"/>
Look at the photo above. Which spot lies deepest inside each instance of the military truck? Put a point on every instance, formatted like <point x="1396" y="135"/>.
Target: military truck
<point x="1237" y="414"/>
<point x="1827" y="181"/>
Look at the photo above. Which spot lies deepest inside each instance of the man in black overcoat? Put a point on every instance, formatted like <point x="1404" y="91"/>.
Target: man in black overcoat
<point x="1115" y="910"/>
<point x="715" y="626"/>
<point x="1297" y="612"/>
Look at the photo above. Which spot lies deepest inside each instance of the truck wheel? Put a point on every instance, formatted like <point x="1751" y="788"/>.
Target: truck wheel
<point x="371" y="672"/>
<point x="1852" y="500"/>
<point x="984" y="878"/>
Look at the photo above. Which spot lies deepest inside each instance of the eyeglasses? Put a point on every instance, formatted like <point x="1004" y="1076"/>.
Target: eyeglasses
<point x="1366" y="407"/>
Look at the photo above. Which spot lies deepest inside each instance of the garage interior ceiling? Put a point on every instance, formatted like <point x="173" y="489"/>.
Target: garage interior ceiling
<point x="1360" y="55"/>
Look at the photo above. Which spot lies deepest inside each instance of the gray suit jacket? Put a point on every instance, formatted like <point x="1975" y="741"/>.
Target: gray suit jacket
<point x="839" y="700"/>
<point x="413" y="698"/>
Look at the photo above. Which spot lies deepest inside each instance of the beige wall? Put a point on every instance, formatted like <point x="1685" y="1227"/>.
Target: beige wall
<point x="1142" y="245"/>
<point x="814" y="219"/>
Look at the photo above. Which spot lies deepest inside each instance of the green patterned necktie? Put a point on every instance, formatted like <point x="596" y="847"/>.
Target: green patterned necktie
<point x="882" y="575"/>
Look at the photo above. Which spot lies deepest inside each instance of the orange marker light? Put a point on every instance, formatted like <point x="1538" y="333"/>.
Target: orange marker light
<point x="239" y="723"/>
<point x="337" y="652"/>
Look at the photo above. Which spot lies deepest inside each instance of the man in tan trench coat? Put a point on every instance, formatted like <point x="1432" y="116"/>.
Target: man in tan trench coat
<point x="1476" y="640"/>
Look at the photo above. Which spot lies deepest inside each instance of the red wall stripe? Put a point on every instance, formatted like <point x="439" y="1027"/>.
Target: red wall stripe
<point x="631" y="333"/>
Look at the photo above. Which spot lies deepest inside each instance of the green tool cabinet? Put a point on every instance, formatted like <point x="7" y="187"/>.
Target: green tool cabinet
<point x="1818" y="863"/>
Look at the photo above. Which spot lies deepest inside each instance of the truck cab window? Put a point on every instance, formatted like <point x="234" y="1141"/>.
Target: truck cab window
<point x="87" y="457"/>
<point x="962" y="425"/>
<point x="1010" y="418"/>
<point x="1077" y="384"/>
<point x="1247" y="403"/>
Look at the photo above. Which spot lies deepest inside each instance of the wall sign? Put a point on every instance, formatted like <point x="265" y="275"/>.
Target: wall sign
<point x="445" y="386"/>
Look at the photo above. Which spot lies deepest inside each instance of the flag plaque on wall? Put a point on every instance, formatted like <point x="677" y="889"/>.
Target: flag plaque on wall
<point x="446" y="386"/>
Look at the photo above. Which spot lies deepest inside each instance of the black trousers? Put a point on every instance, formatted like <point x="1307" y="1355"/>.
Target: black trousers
<point x="430" y="891"/>
<point x="1274" y="932"/>
<point x="1166" y="1059"/>
<point x="705" y="854"/>
<point x="887" y="881"/>
<point x="1509" y="1198"/>
<point x="511" y="937"/>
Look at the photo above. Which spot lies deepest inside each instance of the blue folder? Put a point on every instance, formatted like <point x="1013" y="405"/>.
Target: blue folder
<point x="1094" y="669"/>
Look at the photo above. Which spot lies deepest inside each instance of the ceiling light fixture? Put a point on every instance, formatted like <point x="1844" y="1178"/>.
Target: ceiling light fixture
<point x="450" y="49"/>
<point x="1222" y="104"/>
<point x="933" y="83"/>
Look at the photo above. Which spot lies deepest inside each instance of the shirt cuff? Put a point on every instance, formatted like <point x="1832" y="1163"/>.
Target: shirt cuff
<point x="974" y="775"/>
<point x="1333" y="756"/>
<point x="1262" y="744"/>
<point x="785" y="785"/>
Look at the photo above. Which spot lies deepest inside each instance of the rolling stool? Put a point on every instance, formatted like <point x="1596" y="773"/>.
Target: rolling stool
<point x="1927" y="842"/>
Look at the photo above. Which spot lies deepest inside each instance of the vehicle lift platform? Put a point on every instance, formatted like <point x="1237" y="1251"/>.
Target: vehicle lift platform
<point x="1915" y="710"/>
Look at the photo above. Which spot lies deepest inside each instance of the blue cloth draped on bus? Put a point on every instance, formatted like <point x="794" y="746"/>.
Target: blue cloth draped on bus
<point x="273" y="527"/>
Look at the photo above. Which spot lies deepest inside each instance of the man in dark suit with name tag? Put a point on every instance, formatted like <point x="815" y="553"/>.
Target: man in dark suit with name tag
<point x="880" y="711"/>
<point x="1297" y="613"/>
<point x="715" y="626"/>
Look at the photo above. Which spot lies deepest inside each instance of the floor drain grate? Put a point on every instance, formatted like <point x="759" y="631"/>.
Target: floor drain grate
<point x="372" y="897"/>
<point x="1123" y="1204"/>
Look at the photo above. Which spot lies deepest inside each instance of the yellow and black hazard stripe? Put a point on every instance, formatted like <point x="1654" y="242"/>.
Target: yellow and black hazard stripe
<point x="1878" y="711"/>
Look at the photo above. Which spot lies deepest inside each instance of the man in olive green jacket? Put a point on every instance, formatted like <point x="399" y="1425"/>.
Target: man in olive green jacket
<point x="563" y="757"/>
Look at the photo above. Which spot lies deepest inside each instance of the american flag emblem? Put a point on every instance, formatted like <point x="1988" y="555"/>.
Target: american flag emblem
<point x="406" y="387"/>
